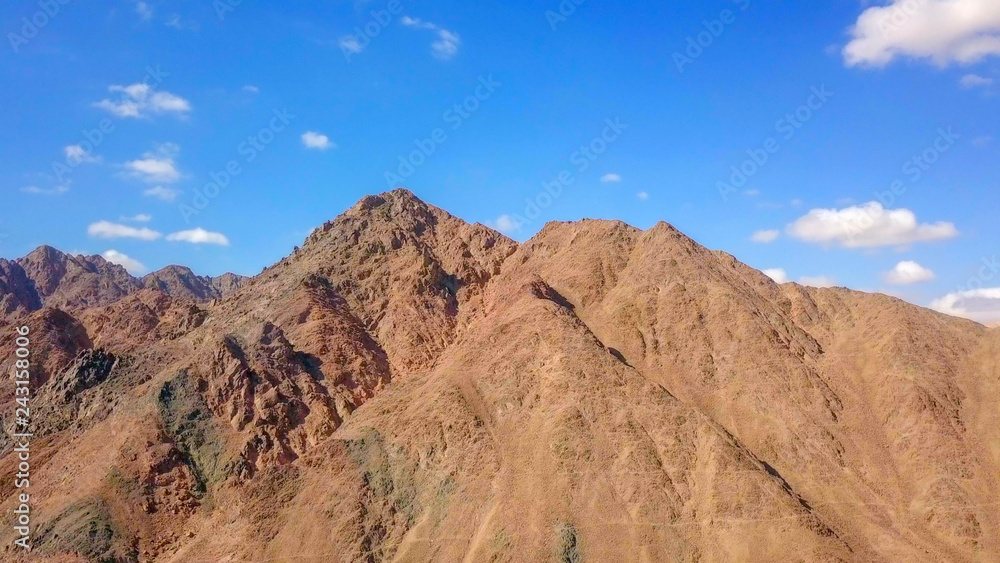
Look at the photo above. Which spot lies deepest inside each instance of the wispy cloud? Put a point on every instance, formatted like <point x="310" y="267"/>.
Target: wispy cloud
<point x="162" y="193"/>
<point x="350" y="44"/>
<point x="199" y="236"/>
<point x="445" y="46"/>
<point x="76" y="154"/>
<point x="975" y="81"/>
<point x="142" y="100"/>
<point x="144" y="11"/>
<point x="175" y="21"/>
<point x="139" y="218"/>
<point x="611" y="178"/>
<point x="58" y="189"/>
<point x="766" y="236"/>
<point x="506" y="224"/>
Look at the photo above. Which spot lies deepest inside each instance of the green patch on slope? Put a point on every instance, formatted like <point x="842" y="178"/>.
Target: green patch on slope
<point x="88" y="529"/>
<point x="188" y="422"/>
<point x="389" y="504"/>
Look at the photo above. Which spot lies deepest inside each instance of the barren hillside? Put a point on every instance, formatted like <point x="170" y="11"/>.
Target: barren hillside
<point x="406" y="386"/>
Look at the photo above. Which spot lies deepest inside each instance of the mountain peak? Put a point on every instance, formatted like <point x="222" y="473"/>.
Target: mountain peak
<point x="46" y="253"/>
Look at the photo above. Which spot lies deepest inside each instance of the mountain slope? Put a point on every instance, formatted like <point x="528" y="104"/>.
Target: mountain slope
<point x="406" y="386"/>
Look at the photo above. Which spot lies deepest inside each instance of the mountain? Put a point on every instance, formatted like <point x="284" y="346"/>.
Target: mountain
<point x="182" y="282"/>
<point x="407" y="386"/>
<point x="62" y="280"/>
<point x="49" y="278"/>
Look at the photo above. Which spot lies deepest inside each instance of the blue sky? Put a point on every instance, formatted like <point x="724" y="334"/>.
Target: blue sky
<point x="641" y="112"/>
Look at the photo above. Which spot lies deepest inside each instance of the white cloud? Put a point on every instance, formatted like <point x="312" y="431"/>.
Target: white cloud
<point x="611" y="178"/>
<point x="138" y="218"/>
<point x="417" y="23"/>
<point x="765" y="236"/>
<point x="134" y="267"/>
<point x="982" y="305"/>
<point x="751" y="193"/>
<point x="199" y="236"/>
<point x="109" y="230"/>
<point x="943" y="31"/>
<point x="818" y="281"/>
<point x="642" y="196"/>
<point x="777" y="274"/>
<point x="160" y="192"/>
<point x="908" y="273"/>
<point x="76" y="154"/>
<point x="319" y="141"/>
<point x="446" y="44"/>
<point x="507" y="224"/>
<point x="974" y="81"/>
<point x="141" y="100"/>
<point x="156" y="167"/>
<point x="867" y="226"/>
<point x="251" y="88"/>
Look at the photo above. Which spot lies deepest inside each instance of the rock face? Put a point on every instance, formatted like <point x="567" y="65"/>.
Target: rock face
<point x="406" y="386"/>
<point x="17" y="290"/>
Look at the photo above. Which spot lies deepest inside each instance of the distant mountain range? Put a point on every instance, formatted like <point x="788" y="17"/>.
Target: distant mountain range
<point x="48" y="277"/>
<point x="409" y="387"/>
